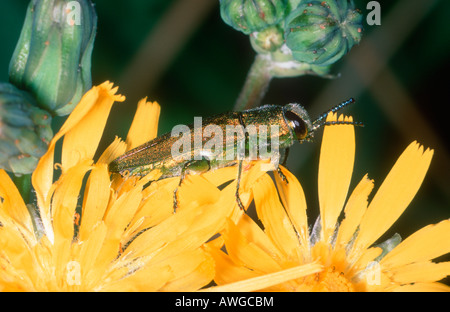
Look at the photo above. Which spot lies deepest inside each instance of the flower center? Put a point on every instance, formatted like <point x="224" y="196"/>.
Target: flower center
<point x="332" y="280"/>
<point x="329" y="280"/>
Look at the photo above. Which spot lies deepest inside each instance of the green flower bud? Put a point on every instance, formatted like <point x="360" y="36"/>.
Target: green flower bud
<point x="25" y="130"/>
<point x="52" y="59"/>
<point x="292" y="4"/>
<point x="267" y="40"/>
<point x="252" y="15"/>
<point x="321" y="32"/>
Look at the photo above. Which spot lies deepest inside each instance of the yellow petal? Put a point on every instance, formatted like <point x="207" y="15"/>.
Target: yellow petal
<point x="89" y="251"/>
<point x="337" y="156"/>
<point x="14" y="249"/>
<point x="365" y="259"/>
<point x="187" y="228"/>
<point x="82" y="140"/>
<point x="220" y="176"/>
<point x="422" y="272"/>
<point x="149" y="278"/>
<point x="268" y="280"/>
<point x="119" y="215"/>
<point x="256" y="235"/>
<point x="114" y="150"/>
<point x="423" y="287"/>
<point x="61" y="251"/>
<point x="45" y="265"/>
<point x="197" y="189"/>
<point x="227" y="271"/>
<point x="96" y="198"/>
<point x="65" y="199"/>
<point x="216" y="242"/>
<point x="354" y="210"/>
<point x="117" y="218"/>
<point x="157" y="204"/>
<point x="293" y="199"/>
<point x="205" y="223"/>
<point x="395" y="194"/>
<point x="145" y="124"/>
<point x="428" y="243"/>
<point x="12" y="202"/>
<point x="246" y="253"/>
<point x="42" y="178"/>
<point x="273" y="216"/>
<point x="191" y="270"/>
<point x="251" y="172"/>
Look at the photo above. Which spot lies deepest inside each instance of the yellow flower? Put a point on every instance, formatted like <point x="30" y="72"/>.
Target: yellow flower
<point x="340" y="253"/>
<point x="118" y="235"/>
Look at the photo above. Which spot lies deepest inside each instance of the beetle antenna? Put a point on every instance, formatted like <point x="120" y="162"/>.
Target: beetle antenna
<point x="343" y="122"/>
<point x="320" y="121"/>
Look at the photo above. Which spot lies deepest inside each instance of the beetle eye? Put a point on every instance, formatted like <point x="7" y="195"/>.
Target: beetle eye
<point x="299" y="125"/>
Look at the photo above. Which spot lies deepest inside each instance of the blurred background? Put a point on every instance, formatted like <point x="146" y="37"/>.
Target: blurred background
<point x="181" y="54"/>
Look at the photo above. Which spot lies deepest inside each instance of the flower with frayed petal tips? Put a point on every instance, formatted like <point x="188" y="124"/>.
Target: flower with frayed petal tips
<point x="338" y="254"/>
<point x="118" y="236"/>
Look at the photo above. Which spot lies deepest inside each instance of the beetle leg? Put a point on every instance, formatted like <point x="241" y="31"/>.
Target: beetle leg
<point x="197" y="166"/>
<point x="285" y="156"/>
<point x="240" y="157"/>
<point x="280" y="173"/>
<point x="238" y="198"/>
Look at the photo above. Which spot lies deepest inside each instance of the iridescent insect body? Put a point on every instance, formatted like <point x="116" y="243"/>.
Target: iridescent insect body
<point x="293" y="124"/>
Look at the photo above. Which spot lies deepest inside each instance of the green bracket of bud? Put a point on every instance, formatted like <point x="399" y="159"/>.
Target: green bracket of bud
<point x="267" y="40"/>
<point x="322" y="32"/>
<point x="25" y="130"/>
<point x="249" y="16"/>
<point x="52" y="59"/>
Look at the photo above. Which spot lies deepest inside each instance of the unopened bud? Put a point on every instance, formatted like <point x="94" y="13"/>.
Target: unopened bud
<point x="52" y="59"/>
<point x="252" y="15"/>
<point x="322" y="32"/>
<point x="25" y="130"/>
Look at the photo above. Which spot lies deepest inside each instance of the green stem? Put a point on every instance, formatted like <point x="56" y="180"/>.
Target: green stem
<point x="264" y="68"/>
<point x="23" y="184"/>
<point x="256" y="84"/>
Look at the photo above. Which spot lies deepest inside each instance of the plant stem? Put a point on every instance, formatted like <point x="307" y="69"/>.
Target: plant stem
<point x="256" y="84"/>
<point x="266" y="67"/>
<point x="23" y="184"/>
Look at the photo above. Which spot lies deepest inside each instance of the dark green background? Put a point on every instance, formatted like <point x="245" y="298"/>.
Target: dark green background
<point x="207" y="70"/>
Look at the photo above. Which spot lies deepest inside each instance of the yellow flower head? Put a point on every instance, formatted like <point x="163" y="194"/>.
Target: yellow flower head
<point x="118" y="235"/>
<point x="339" y="252"/>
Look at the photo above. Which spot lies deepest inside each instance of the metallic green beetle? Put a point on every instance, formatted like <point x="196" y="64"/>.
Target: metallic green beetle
<point x="293" y="124"/>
